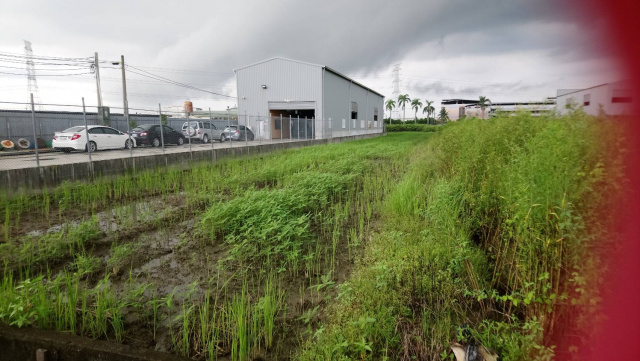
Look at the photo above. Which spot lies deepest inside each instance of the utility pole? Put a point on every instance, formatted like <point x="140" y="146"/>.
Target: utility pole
<point x="98" y="89"/>
<point x="125" y="103"/>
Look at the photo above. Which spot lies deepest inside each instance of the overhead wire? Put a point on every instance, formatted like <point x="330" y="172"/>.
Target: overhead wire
<point x="170" y="81"/>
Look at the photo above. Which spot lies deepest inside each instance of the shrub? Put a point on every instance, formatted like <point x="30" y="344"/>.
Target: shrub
<point x="413" y="128"/>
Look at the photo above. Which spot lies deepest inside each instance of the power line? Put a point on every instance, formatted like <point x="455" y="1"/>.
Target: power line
<point x="42" y="69"/>
<point x="170" y="70"/>
<point x="160" y="78"/>
<point x="23" y="74"/>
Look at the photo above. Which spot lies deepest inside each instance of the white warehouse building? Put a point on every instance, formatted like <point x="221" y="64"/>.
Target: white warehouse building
<point x="290" y="99"/>
<point x="610" y="98"/>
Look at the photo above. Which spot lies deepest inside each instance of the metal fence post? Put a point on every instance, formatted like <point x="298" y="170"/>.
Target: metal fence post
<point x="86" y="129"/>
<point x="298" y="128"/>
<point x="281" y="127"/>
<point x="35" y="137"/>
<point x="290" y="128"/>
<point x="305" y="127"/>
<point x="211" y="126"/>
<point x="188" y="132"/>
<point x="229" y="127"/>
<point x="126" y="104"/>
<point x="246" y="129"/>
<point x="161" y="126"/>
<point x="313" y="127"/>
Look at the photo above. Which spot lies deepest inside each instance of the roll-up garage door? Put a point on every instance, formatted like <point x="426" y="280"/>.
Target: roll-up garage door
<point x="292" y="105"/>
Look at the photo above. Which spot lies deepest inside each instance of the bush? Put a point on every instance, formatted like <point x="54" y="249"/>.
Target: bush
<point x="413" y="128"/>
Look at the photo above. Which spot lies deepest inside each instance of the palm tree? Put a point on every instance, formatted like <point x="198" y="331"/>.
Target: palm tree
<point x="416" y="104"/>
<point x="444" y="116"/>
<point x="483" y="102"/>
<point x="428" y="109"/>
<point x="390" y="105"/>
<point x="403" y="99"/>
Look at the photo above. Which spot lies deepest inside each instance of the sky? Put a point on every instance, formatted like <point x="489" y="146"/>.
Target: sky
<point x="506" y="50"/>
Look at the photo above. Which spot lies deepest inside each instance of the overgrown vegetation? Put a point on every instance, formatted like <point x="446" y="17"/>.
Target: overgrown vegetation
<point x="263" y="239"/>
<point x="497" y="226"/>
<point x="376" y="249"/>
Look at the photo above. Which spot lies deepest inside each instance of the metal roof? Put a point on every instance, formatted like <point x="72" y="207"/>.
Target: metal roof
<point x="311" y="64"/>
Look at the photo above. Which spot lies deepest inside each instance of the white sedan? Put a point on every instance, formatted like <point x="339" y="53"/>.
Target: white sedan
<point x="100" y="137"/>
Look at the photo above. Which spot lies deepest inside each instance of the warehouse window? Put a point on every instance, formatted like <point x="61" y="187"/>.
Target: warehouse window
<point x="587" y="100"/>
<point x="621" y="96"/>
<point x="375" y="113"/>
<point x="354" y="110"/>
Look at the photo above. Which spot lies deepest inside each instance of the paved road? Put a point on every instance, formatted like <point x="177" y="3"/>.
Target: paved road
<point x="56" y="158"/>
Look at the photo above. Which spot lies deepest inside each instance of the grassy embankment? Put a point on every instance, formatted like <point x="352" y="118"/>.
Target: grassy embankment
<point x="496" y="225"/>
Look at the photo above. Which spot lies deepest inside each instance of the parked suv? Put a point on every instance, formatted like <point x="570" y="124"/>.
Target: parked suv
<point x="203" y="131"/>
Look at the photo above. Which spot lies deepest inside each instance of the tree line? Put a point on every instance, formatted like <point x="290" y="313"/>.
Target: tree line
<point x="416" y="105"/>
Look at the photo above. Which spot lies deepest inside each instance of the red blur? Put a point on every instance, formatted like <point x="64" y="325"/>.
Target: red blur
<point x="618" y="334"/>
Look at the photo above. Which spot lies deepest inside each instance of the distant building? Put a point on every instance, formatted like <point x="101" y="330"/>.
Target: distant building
<point x="534" y="108"/>
<point x="469" y="108"/>
<point x="456" y="108"/>
<point x="278" y="94"/>
<point x="611" y="98"/>
<point x="231" y="113"/>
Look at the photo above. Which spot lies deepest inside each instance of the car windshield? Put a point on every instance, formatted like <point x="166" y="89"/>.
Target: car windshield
<point x="142" y="127"/>
<point x="191" y="124"/>
<point x="73" y="129"/>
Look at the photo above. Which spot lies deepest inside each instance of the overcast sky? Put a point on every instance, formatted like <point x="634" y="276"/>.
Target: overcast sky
<point x="503" y="49"/>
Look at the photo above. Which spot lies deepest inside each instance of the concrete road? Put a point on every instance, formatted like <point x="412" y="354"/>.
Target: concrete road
<point x="19" y="161"/>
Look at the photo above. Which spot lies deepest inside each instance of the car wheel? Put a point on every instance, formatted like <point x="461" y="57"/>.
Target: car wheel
<point x="205" y="139"/>
<point x="180" y="141"/>
<point x="223" y="138"/>
<point x="128" y="144"/>
<point x="92" y="147"/>
<point x="155" y="142"/>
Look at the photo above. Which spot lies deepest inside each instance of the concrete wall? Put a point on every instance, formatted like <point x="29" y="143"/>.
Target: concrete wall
<point x="50" y="176"/>
<point x="23" y="343"/>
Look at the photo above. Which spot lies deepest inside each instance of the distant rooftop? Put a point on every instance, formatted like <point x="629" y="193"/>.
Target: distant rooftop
<point x="458" y="101"/>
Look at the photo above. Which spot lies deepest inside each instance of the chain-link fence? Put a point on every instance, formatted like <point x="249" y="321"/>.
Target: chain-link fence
<point x="54" y="134"/>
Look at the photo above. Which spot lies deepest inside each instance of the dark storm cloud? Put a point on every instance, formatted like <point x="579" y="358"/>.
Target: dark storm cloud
<point x="362" y="36"/>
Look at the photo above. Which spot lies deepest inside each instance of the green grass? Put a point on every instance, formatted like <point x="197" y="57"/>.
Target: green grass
<point x="292" y="216"/>
<point x="373" y="249"/>
<point x="492" y="226"/>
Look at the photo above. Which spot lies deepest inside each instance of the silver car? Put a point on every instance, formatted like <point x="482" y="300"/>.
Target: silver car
<point x="237" y="132"/>
<point x="202" y="131"/>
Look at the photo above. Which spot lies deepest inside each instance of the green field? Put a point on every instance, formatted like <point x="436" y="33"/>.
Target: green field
<point x="372" y="249"/>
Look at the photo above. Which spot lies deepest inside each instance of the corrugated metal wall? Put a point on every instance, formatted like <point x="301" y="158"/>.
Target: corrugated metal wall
<point x="286" y="80"/>
<point x="338" y="95"/>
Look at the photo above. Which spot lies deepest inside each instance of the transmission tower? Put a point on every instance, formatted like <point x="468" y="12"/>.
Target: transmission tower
<point x="396" y="87"/>
<point x="31" y="77"/>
